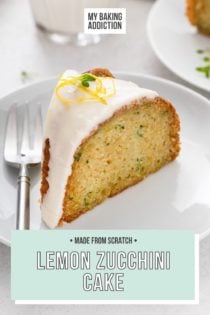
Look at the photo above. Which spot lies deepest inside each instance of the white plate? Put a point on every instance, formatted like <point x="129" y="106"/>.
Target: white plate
<point x="176" y="42"/>
<point x="176" y="197"/>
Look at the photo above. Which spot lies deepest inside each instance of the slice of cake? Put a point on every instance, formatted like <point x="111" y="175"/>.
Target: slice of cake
<point x="198" y="12"/>
<point x="102" y="135"/>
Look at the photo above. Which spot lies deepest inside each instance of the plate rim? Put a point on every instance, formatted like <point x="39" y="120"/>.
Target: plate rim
<point x="123" y="73"/>
<point x="149" y="30"/>
<point x="3" y="240"/>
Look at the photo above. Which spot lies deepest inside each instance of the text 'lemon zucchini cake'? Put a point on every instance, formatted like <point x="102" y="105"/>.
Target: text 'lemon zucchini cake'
<point x="101" y="136"/>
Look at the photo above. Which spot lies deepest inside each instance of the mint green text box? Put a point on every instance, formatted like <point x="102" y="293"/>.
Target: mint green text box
<point x="176" y="283"/>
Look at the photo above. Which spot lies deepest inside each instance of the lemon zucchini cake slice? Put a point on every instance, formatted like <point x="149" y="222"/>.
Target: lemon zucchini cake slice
<point x="102" y="135"/>
<point x="198" y="12"/>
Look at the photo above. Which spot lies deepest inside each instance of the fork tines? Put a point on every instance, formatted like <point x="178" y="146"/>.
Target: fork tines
<point x="31" y="153"/>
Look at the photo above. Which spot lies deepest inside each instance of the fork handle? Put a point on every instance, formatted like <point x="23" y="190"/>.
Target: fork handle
<point x="23" y="199"/>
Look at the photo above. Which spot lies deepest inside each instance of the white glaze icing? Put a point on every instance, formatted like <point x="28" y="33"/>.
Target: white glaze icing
<point x="67" y="126"/>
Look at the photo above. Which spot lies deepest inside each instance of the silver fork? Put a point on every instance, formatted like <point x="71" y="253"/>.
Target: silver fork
<point x="23" y="158"/>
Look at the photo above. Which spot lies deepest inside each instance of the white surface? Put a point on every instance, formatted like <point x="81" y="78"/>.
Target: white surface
<point x="176" y="41"/>
<point x="24" y="48"/>
<point x="66" y="126"/>
<point x="181" y="201"/>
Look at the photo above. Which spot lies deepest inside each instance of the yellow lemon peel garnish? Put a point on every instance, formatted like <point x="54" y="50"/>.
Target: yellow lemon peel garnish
<point x="95" y="92"/>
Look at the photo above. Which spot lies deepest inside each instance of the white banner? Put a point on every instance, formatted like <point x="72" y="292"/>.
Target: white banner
<point x="105" y="20"/>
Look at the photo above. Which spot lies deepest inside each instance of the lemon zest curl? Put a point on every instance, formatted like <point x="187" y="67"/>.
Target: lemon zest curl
<point x="94" y="92"/>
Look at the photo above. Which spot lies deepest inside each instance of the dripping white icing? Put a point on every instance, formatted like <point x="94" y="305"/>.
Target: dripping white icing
<point x="67" y="126"/>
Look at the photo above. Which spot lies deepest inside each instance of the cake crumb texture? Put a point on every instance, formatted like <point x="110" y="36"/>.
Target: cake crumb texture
<point x="136" y="141"/>
<point x="45" y="169"/>
<point x="198" y="12"/>
<point x="101" y="72"/>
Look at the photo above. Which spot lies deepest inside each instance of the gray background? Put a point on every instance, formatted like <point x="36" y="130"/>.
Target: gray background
<point x="23" y="48"/>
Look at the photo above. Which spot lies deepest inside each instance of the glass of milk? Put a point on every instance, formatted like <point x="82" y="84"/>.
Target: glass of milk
<point x="62" y="20"/>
